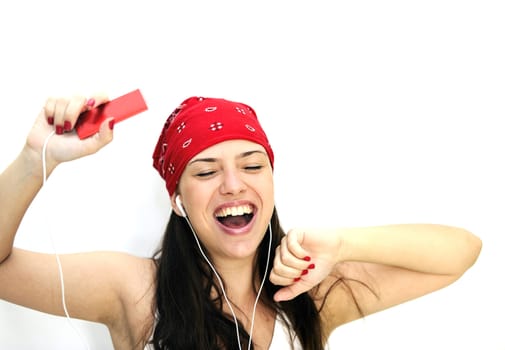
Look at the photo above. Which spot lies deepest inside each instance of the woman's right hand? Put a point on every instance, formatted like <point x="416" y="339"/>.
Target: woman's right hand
<point x="60" y="115"/>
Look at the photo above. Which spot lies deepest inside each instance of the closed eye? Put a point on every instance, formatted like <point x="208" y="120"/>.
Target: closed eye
<point x="206" y="173"/>
<point x="253" y="167"/>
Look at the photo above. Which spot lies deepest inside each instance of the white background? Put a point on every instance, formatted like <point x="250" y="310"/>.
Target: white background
<point x="378" y="111"/>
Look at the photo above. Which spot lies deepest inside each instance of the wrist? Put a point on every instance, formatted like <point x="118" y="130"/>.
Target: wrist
<point x="32" y="163"/>
<point x="341" y="245"/>
<point x="332" y="244"/>
<point x="346" y="245"/>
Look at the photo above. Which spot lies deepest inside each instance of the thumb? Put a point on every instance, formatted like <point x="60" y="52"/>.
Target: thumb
<point x="102" y="137"/>
<point x="291" y="291"/>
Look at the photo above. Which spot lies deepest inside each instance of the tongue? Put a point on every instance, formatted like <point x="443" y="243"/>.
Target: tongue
<point x="234" y="221"/>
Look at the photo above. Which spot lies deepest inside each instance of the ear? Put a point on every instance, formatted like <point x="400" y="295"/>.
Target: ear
<point x="176" y="203"/>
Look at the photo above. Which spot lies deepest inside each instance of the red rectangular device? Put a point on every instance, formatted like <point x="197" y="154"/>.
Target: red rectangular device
<point x="119" y="108"/>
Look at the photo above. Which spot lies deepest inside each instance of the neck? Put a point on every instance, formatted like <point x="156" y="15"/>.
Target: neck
<point x="239" y="271"/>
<point x="237" y="275"/>
<point x="241" y="292"/>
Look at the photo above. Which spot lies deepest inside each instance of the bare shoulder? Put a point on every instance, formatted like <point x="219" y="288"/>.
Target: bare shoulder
<point x="113" y="288"/>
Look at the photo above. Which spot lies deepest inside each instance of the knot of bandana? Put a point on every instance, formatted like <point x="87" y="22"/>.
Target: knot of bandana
<point x="199" y="123"/>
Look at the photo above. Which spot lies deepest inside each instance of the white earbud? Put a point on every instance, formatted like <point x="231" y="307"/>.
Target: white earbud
<point x="179" y="205"/>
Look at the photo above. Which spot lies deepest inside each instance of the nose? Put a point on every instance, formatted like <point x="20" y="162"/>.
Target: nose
<point x="232" y="182"/>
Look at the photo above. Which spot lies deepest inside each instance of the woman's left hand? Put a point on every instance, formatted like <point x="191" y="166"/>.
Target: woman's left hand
<point x="302" y="260"/>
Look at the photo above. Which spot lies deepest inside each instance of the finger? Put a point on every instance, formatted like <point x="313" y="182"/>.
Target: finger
<point x="294" y="244"/>
<point x="49" y="108"/>
<point x="282" y="274"/>
<point x="72" y="112"/>
<point x="279" y="280"/>
<point x="292" y="254"/>
<point x="95" y="100"/>
<point x="60" y="106"/>
<point x="286" y="278"/>
<point x="66" y="111"/>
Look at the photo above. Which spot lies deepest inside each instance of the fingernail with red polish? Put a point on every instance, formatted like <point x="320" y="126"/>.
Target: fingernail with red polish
<point x="111" y="124"/>
<point x="296" y="279"/>
<point x="59" y="129"/>
<point x="67" y="126"/>
<point x="304" y="272"/>
<point x="307" y="258"/>
<point x="90" y="102"/>
<point x="311" y="266"/>
<point x="50" y="120"/>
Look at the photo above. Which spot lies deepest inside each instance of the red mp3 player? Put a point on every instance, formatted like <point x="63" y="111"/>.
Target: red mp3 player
<point x="119" y="108"/>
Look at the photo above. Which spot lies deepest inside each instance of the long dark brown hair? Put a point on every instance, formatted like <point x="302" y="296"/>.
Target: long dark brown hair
<point x="188" y="318"/>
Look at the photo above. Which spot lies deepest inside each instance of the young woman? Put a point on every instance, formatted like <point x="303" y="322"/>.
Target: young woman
<point x="226" y="275"/>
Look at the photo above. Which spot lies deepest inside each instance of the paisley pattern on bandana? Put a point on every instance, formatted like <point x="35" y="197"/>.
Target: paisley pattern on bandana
<point x="198" y="123"/>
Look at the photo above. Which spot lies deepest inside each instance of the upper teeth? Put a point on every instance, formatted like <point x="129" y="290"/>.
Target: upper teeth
<point x="235" y="211"/>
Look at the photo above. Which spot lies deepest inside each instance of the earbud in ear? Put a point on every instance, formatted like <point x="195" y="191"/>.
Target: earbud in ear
<point x="179" y="205"/>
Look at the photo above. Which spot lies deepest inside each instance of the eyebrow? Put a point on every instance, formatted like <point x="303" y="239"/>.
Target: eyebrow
<point x="241" y="155"/>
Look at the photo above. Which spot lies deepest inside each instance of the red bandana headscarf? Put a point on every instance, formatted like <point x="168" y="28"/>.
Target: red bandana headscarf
<point x="199" y="123"/>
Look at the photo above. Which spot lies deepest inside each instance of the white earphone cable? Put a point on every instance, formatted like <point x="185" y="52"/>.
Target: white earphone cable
<point x="57" y="256"/>
<point x="261" y="286"/>
<point x="222" y="286"/>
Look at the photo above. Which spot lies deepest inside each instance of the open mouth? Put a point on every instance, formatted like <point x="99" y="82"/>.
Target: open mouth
<point x="235" y="217"/>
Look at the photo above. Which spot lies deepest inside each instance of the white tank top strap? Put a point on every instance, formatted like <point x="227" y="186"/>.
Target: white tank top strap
<point x="282" y="337"/>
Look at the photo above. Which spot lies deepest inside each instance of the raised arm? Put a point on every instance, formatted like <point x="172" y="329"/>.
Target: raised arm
<point x="94" y="282"/>
<point x="381" y="266"/>
<point x="21" y="181"/>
